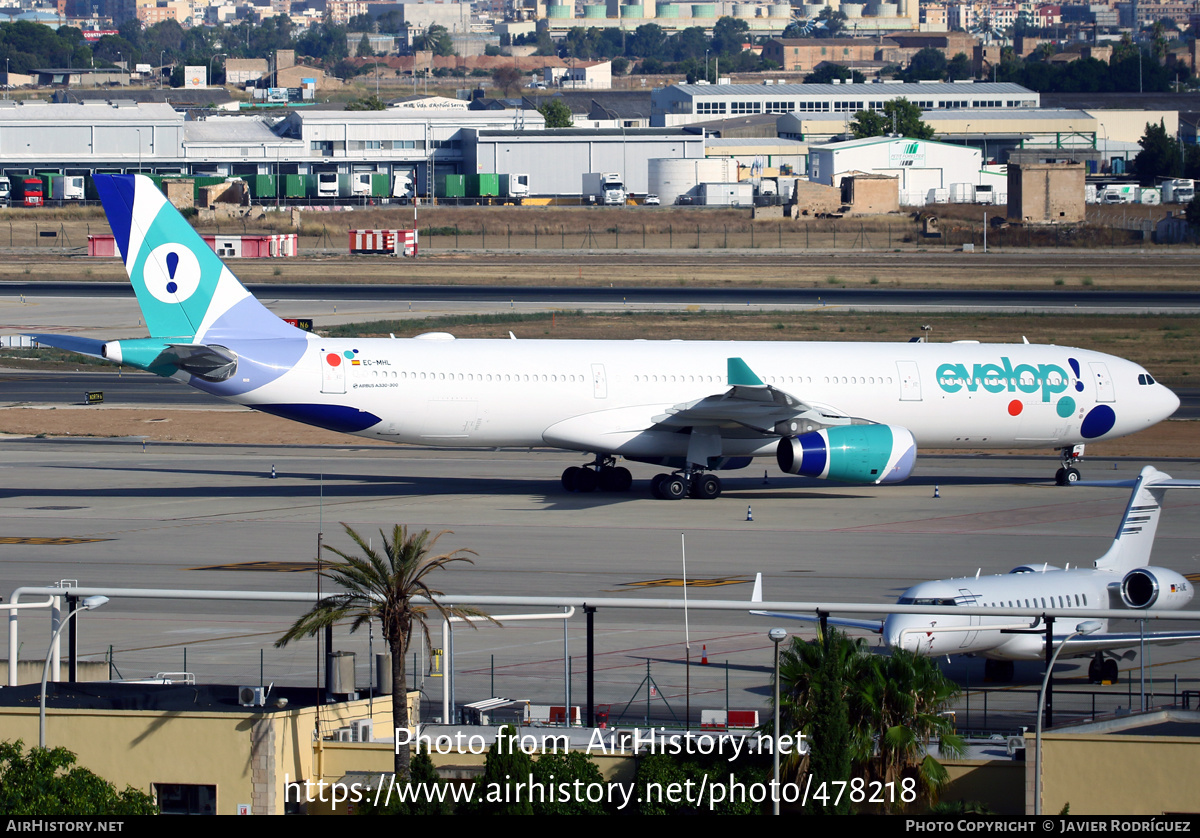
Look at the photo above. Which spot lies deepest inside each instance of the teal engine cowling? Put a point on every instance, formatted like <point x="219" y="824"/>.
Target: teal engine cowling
<point x="850" y="453"/>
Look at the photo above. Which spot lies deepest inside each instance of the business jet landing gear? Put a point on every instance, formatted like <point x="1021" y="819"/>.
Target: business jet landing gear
<point x="680" y="484"/>
<point x="1068" y="474"/>
<point x="998" y="672"/>
<point x="603" y="474"/>
<point x="1103" y="669"/>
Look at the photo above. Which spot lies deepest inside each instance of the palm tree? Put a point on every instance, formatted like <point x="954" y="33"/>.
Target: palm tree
<point x="892" y="707"/>
<point x="382" y="584"/>
<point x="904" y="699"/>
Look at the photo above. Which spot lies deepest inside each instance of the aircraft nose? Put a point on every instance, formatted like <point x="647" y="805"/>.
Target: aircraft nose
<point x="1170" y="402"/>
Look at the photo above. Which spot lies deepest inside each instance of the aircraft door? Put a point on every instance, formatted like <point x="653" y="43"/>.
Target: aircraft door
<point x="1104" y="385"/>
<point x="333" y="372"/>
<point x="910" y="381"/>
<point x="965" y="597"/>
<point x="599" y="382"/>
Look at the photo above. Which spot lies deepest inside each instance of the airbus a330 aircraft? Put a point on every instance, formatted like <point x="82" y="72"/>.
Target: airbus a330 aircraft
<point x="853" y="412"/>
<point x="1121" y="578"/>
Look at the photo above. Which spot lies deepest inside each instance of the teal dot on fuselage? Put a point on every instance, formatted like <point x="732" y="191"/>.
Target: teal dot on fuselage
<point x="1066" y="406"/>
<point x="349" y="355"/>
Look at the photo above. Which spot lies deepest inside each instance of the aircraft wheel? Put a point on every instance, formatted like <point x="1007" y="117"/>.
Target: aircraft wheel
<point x="1110" y="671"/>
<point x="999" y="672"/>
<point x="585" y="480"/>
<point x="624" y="480"/>
<point x="656" y="485"/>
<point x="1094" y="671"/>
<point x="1073" y="475"/>
<point x="569" y="478"/>
<point x="706" y="487"/>
<point x="673" y="488"/>
<point x="615" y="479"/>
<point x="1060" y="477"/>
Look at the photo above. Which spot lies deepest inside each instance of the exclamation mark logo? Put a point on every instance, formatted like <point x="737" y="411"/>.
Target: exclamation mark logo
<point x="171" y="273"/>
<point x="172" y="267"/>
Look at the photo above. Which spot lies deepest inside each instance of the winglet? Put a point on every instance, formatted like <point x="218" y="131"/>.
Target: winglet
<point x="757" y="595"/>
<point x="740" y="374"/>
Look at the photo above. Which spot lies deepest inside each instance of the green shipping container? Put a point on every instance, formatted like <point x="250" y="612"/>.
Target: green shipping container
<point x="294" y="186"/>
<point x="483" y="186"/>
<point x="381" y="185"/>
<point x="262" y="186"/>
<point x="450" y="186"/>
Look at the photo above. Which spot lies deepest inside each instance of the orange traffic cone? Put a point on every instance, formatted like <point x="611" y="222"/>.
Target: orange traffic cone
<point x="704" y="655"/>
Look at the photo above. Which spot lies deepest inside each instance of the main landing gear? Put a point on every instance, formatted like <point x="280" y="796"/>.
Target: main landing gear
<point x="603" y="474"/>
<point x="686" y="483"/>
<point x="1068" y="474"/>
<point x="998" y="672"/>
<point x="1103" y="669"/>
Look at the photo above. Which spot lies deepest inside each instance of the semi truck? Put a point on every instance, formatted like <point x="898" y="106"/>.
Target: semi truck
<point x="29" y="191"/>
<point x="1177" y="190"/>
<point x="604" y="188"/>
<point x="67" y="187"/>
<point x="5" y="192"/>
<point x="483" y="188"/>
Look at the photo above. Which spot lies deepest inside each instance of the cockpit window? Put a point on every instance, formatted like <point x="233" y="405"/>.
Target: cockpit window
<point x="908" y="600"/>
<point x="1145" y="378"/>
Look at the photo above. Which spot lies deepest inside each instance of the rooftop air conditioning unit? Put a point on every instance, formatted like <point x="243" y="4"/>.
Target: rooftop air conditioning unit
<point x="252" y="696"/>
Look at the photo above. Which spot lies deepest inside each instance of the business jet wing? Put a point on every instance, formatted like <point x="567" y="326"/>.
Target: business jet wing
<point x="1090" y="643"/>
<point x="875" y="626"/>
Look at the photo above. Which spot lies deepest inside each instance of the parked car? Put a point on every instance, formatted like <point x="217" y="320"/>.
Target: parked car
<point x="651" y="201"/>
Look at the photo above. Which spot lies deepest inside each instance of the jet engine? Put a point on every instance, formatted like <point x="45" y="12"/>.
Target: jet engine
<point x="850" y="453"/>
<point x="1150" y="586"/>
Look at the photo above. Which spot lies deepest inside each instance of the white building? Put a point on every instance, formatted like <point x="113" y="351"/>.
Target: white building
<point x="929" y="171"/>
<point x="681" y="104"/>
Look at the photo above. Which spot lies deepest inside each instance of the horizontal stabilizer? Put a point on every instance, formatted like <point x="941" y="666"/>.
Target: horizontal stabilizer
<point x="84" y="346"/>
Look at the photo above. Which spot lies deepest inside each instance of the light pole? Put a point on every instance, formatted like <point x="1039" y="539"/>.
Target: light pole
<point x="777" y="636"/>
<point x="1086" y="627"/>
<point x="90" y="603"/>
<point x="161" y="53"/>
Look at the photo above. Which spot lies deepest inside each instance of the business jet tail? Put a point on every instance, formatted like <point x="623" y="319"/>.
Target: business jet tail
<point x="1135" y="534"/>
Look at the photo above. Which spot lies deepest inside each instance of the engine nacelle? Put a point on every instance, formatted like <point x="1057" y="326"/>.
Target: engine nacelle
<point x="1147" y="587"/>
<point x="850" y="453"/>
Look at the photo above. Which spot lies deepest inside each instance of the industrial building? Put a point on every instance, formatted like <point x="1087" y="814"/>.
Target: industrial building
<point x="928" y="172"/>
<point x="682" y="104"/>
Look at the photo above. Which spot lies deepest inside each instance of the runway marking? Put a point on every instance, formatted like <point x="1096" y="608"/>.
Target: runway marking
<point x="264" y="567"/>
<point x="678" y="583"/>
<point x="37" y="539"/>
<point x="1192" y="577"/>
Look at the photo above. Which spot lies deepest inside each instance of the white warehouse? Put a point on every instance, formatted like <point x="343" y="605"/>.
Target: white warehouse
<point x="929" y="171"/>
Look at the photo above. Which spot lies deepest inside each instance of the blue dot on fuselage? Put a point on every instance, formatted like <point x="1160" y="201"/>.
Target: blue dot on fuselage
<point x="1099" y="421"/>
<point x="172" y="287"/>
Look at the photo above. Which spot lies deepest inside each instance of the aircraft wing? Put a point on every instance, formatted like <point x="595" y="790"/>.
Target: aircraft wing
<point x="875" y="626"/>
<point x="84" y="346"/>
<point x="1089" y="643"/>
<point x="748" y="402"/>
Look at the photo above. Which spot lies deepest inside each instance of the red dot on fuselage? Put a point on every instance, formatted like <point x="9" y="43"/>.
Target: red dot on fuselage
<point x="334" y="359"/>
<point x="1014" y="407"/>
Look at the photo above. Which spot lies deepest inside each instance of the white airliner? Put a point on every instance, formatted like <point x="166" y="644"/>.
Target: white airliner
<point x="1121" y="578"/>
<point x="853" y="412"/>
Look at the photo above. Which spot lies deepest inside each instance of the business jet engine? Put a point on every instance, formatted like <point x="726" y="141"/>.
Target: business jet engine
<point x="1146" y="587"/>
<point x="850" y="453"/>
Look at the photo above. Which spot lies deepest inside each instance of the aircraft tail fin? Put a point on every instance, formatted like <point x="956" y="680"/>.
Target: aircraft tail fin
<point x="1135" y="534"/>
<point x="184" y="290"/>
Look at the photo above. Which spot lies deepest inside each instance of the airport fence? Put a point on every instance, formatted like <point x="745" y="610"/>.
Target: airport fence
<point x="983" y="712"/>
